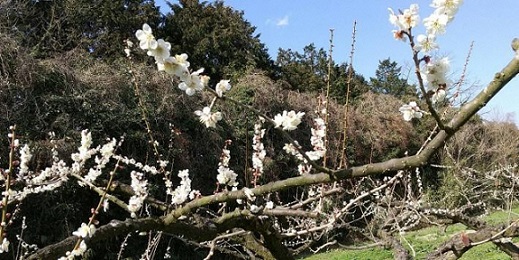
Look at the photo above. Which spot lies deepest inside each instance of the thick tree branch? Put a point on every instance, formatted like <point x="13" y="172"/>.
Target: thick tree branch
<point x="208" y="231"/>
<point x="461" y="243"/>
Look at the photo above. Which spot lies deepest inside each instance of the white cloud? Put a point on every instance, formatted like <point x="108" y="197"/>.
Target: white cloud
<point x="282" y="22"/>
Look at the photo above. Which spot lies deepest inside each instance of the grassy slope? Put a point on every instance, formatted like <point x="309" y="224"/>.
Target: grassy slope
<point x="426" y="240"/>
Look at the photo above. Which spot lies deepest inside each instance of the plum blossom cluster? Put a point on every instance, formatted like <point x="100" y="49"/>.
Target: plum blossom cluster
<point x="178" y="65"/>
<point x="25" y="158"/>
<point x="85" y="231"/>
<point x="317" y="140"/>
<point x="77" y="252"/>
<point x="106" y="152"/>
<point x="318" y="147"/>
<point x="139" y="185"/>
<point x="435" y="75"/>
<point x="58" y="173"/>
<point x="288" y="120"/>
<point x="142" y="167"/>
<point x="259" y="153"/>
<point x="434" y="71"/>
<point x="208" y="118"/>
<point x="225" y="175"/>
<point x="183" y="191"/>
<point x="84" y="151"/>
<point x="404" y="21"/>
<point x="411" y="111"/>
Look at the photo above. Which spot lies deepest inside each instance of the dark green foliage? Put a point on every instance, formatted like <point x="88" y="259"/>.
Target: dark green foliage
<point x="389" y="80"/>
<point x="215" y="37"/>
<point x="48" y="28"/>
<point x="308" y="72"/>
<point x="305" y="71"/>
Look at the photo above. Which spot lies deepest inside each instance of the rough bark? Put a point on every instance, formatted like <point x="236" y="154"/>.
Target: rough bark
<point x="455" y="247"/>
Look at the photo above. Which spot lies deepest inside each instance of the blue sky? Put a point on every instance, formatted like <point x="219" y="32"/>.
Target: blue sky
<point x="490" y="24"/>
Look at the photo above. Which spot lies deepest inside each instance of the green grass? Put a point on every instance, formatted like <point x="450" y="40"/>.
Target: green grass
<point x="371" y="254"/>
<point x="426" y="240"/>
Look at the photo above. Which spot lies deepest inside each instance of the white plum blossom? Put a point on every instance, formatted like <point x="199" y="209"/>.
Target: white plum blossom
<point x="175" y="65"/>
<point x="4" y="247"/>
<point x="129" y="44"/>
<point x="438" y="96"/>
<point x="426" y="43"/>
<point x="226" y="176"/>
<point x="76" y="252"/>
<point x="146" y="38"/>
<point x="222" y="86"/>
<point x="193" y="82"/>
<point x="436" y="23"/>
<point x="225" y="157"/>
<point x="315" y="155"/>
<point x="107" y="150"/>
<point x="139" y="183"/>
<point x="411" y="111"/>
<point x="85" y="231"/>
<point x="161" y="52"/>
<point x="25" y="158"/>
<point x="140" y="188"/>
<point x="435" y="72"/>
<point x="448" y="7"/>
<point x="317" y="140"/>
<point x="208" y="118"/>
<point x="269" y="205"/>
<point x="84" y="151"/>
<point x="405" y="20"/>
<point x="288" y="120"/>
<point x="291" y="149"/>
<point x="258" y="156"/>
<point x="181" y="193"/>
<point x="250" y="195"/>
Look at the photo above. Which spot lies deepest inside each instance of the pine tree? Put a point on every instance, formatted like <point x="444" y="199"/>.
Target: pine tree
<point x="215" y="37"/>
<point x="388" y="80"/>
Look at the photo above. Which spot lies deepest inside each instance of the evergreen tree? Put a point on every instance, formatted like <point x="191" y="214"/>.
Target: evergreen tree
<point x="388" y="80"/>
<point x="305" y="71"/>
<point x="51" y="27"/>
<point x="308" y="71"/>
<point x="215" y="37"/>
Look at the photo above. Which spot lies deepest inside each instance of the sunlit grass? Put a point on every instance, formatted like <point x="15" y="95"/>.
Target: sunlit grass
<point x="424" y="241"/>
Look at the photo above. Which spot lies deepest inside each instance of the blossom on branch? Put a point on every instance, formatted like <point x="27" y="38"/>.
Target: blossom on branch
<point x="447" y="7"/>
<point x="222" y="86"/>
<point x="439" y="96"/>
<point x="85" y="231"/>
<point x="161" y="52"/>
<point x="288" y="120"/>
<point x="175" y="65"/>
<point x="405" y="20"/>
<point x="208" y="118"/>
<point x="146" y="38"/>
<point x="258" y="156"/>
<point x="226" y="176"/>
<point x="435" y="73"/>
<point x="411" y="111"/>
<point x="426" y="43"/>
<point x="436" y="23"/>
<point x="25" y="158"/>
<point x="193" y="82"/>
<point x="181" y="193"/>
